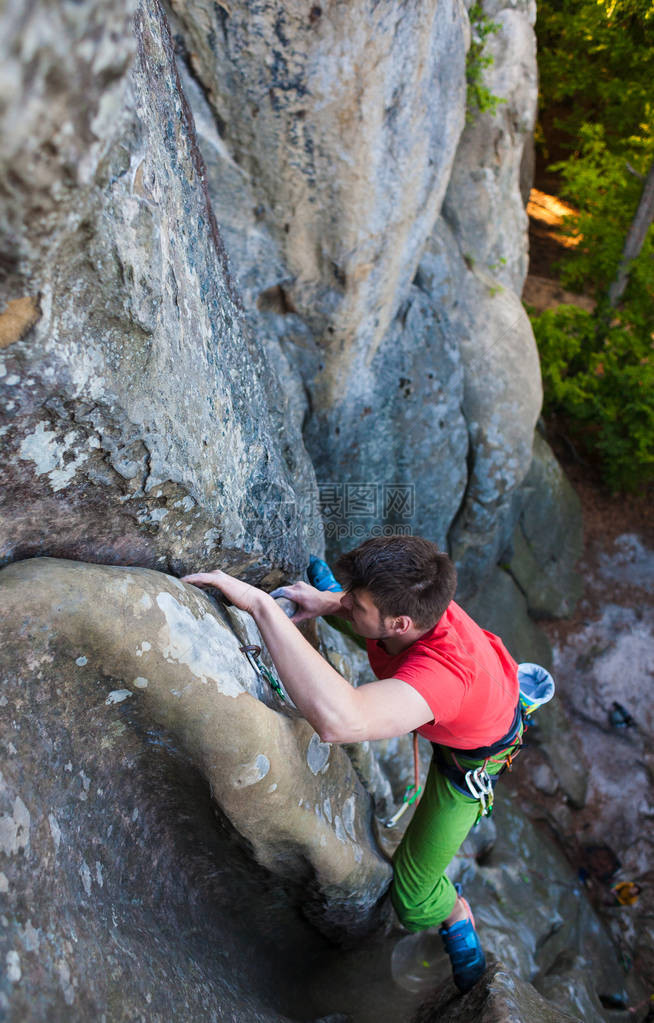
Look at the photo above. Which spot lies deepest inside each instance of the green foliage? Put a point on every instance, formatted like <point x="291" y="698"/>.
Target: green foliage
<point x="605" y="187"/>
<point x="479" y="99"/>
<point x="604" y="387"/>
<point x="596" y="63"/>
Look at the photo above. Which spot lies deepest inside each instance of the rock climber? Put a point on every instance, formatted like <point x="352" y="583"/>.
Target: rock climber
<point x="437" y="672"/>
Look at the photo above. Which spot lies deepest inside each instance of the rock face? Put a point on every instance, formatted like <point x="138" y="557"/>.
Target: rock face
<point x="153" y="418"/>
<point x="141" y="424"/>
<point x="131" y="688"/>
<point x="474" y="268"/>
<point x="548" y="540"/>
<point x="400" y="417"/>
<point x="422" y="403"/>
<point x="325" y="226"/>
<point x="346" y="121"/>
<point x="164" y="648"/>
<point x="501" y="399"/>
<point x="483" y="205"/>
<point x="500" y="997"/>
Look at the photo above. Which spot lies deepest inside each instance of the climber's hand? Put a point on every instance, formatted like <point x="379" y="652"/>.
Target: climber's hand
<point x="240" y="594"/>
<point x="311" y="603"/>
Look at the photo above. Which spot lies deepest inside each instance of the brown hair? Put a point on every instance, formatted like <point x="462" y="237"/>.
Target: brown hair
<point x="405" y="575"/>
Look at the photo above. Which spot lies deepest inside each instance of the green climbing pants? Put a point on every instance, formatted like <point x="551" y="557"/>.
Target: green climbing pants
<point x="421" y="893"/>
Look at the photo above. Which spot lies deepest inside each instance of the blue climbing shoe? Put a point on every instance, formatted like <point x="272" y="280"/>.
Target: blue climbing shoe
<point x="321" y="576"/>
<point x="463" y="946"/>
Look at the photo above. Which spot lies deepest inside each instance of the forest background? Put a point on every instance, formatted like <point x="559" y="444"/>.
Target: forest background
<point x="595" y="148"/>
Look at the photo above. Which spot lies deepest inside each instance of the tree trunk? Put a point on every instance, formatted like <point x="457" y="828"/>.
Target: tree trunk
<point x="635" y="238"/>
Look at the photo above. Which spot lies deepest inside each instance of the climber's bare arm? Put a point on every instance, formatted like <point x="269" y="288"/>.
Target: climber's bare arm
<point x="338" y="712"/>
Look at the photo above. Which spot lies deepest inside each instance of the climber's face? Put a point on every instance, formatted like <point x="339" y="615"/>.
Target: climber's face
<point x="359" y="608"/>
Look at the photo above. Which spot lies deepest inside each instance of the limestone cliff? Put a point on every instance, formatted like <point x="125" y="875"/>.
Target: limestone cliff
<point x="141" y="423"/>
<point x="380" y="241"/>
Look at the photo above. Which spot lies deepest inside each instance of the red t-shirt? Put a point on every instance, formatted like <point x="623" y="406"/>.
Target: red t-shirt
<point x="465" y="674"/>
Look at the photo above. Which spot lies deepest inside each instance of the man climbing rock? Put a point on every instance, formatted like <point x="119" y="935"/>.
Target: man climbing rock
<point x="438" y="673"/>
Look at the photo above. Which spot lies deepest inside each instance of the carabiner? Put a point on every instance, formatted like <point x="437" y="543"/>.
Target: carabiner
<point x="481" y="788"/>
<point x="253" y="654"/>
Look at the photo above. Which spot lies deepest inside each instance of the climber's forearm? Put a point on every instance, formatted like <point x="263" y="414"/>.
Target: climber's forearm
<point x="321" y="695"/>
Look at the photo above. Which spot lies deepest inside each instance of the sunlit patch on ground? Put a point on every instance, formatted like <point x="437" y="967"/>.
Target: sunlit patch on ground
<point x="548" y="242"/>
<point x="550" y="212"/>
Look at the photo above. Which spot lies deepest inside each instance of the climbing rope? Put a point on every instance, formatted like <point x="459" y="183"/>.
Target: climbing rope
<point x="412" y="792"/>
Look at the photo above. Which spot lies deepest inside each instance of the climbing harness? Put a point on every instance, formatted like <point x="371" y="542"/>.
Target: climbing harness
<point x="536" y="688"/>
<point x="253" y="654"/>
<point x="412" y="792"/>
<point x="475" y="780"/>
